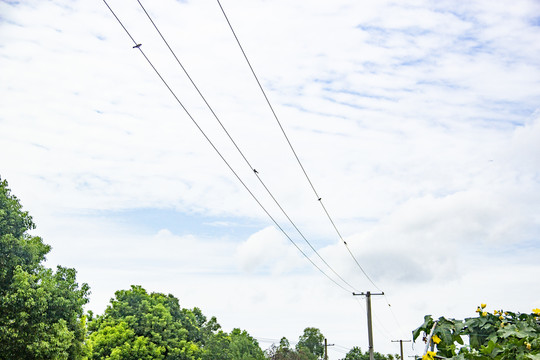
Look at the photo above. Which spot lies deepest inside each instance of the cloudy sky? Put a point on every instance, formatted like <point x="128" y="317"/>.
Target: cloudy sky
<point x="417" y="122"/>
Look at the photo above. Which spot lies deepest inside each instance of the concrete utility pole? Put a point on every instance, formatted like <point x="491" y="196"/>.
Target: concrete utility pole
<point x="370" y="328"/>
<point x="401" y="345"/>
<point x="326" y="345"/>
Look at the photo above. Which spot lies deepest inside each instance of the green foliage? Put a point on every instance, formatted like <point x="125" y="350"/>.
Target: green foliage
<point x="501" y="335"/>
<point x="312" y="341"/>
<point x="356" y="354"/>
<point x="217" y="347"/>
<point x="284" y="343"/>
<point x="41" y="312"/>
<point x="244" y="347"/>
<point x="284" y="352"/>
<point x="199" y="328"/>
<point x="17" y="248"/>
<point x="310" y="346"/>
<point x="13" y="220"/>
<point x="138" y="325"/>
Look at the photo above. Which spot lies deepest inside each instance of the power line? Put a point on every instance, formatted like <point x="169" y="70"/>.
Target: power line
<point x="266" y="340"/>
<point x="319" y="199"/>
<point x="338" y="350"/>
<point x="138" y="46"/>
<point x="236" y="145"/>
<point x="394" y="316"/>
<point x="342" y="347"/>
<point x="378" y="325"/>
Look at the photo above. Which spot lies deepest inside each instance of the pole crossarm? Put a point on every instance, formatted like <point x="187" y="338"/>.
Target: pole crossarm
<point x="401" y="345"/>
<point x="367" y="293"/>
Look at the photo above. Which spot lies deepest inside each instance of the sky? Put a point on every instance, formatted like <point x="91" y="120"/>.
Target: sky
<point x="416" y="121"/>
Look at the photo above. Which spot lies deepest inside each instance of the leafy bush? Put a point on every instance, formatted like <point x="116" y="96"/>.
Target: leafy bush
<point x="497" y="335"/>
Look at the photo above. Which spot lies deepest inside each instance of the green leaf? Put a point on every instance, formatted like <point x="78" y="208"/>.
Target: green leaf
<point x="428" y="324"/>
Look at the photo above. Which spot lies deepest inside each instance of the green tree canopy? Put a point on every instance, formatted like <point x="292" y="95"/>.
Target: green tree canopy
<point x="286" y="353"/>
<point x="244" y="347"/>
<point x="139" y="325"/>
<point x="217" y="347"/>
<point x="41" y="311"/>
<point x="13" y="220"/>
<point x="356" y="354"/>
<point x="312" y="341"/>
<point x="284" y="343"/>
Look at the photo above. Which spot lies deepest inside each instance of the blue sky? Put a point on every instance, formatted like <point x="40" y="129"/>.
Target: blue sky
<point x="417" y="122"/>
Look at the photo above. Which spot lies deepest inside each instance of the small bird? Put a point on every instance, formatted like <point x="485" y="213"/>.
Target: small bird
<point x="137" y="46"/>
<point x="255" y="171"/>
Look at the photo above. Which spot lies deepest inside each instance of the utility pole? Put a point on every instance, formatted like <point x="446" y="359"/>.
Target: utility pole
<point x="370" y="328"/>
<point x="401" y="345"/>
<point x="326" y="345"/>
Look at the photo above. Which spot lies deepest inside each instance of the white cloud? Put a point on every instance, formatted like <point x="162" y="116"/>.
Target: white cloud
<point x="268" y="250"/>
<point x="415" y="121"/>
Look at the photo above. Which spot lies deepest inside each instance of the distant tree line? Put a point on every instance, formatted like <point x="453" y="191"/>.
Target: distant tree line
<point x="42" y="316"/>
<point x="310" y="346"/>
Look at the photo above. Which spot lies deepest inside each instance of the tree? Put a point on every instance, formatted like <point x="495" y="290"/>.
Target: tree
<point x="244" y="347"/>
<point x="501" y="335"/>
<point x="284" y="343"/>
<point x="312" y="341"/>
<point x="217" y="346"/>
<point x="356" y="354"/>
<point x="139" y="325"/>
<point x="142" y="325"/>
<point x="200" y="329"/>
<point x="283" y="352"/>
<point x="41" y="311"/>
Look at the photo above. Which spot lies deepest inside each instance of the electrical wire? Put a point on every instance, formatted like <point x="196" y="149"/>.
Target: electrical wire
<point x="380" y="327"/>
<point x="242" y="154"/>
<point x="265" y="340"/>
<point x="237" y="147"/>
<point x="342" y="348"/>
<point x="337" y="350"/>
<point x="404" y="333"/>
<point x="138" y="46"/>
<point x="319" y="198"/>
